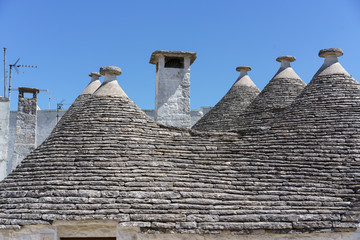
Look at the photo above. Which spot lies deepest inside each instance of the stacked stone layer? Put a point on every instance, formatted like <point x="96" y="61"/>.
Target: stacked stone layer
<point x="272" y="100"/>
<point x="108" y="160"/>
<point x="225" y="113"/>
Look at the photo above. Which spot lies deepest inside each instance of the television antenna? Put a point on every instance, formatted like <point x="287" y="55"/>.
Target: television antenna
<point x="16" y="66"/>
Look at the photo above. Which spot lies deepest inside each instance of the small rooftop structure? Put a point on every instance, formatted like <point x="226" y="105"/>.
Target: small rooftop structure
<point x="172" y="89"/>
<point x="155" y="55"/>
<point x="23" y="90"/>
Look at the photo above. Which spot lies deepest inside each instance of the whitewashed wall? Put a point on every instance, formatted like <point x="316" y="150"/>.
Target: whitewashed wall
<point x="111" y="229"/>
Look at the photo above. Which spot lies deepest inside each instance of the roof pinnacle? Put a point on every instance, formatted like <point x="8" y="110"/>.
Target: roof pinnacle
<point x="338" y="52"/>
<point x="331" y="64"/>
<point x="286" y="60"/>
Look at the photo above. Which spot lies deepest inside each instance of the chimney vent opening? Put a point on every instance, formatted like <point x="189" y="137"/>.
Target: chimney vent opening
<point x="174" y="62"/>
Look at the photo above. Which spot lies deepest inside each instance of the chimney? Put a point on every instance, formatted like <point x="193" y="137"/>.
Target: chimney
<point x="4" y="135"/>
<point x="25" y="136"/>
<point x="172" y="90"/>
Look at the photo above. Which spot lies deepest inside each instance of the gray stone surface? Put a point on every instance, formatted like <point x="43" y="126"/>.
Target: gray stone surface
<point x="338" y="52"/>
<point x="107" y="160"/>
<point x="226" y="112"/>
<point x="279" y="93"/>
<point x="25" y="132"/>
<point x="113" y="70"/>
<point x="94" y="74"/>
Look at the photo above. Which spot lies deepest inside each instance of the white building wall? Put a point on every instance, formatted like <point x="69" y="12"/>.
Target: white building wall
<point x="4" y="135"/>
<point x="110" y="229"/>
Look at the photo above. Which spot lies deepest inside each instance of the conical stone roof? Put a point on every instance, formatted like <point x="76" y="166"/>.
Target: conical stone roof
<point x="316" y="140"/>
<point x="84" y="95"/>
<point x="226" y="111"/>
<point x="279" y="93"/>
<point x="110" y="161"/>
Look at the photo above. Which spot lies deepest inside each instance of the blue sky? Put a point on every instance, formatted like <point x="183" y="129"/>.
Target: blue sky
<point x="69" y="39"/>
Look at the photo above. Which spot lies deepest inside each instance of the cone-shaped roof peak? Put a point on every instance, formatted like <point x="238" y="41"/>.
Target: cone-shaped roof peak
<point x="244" y="79"/>
<point x="222" y="116"/>
<point x="331" y="64"/>
<point x="93" y="85"/>
<point x="277" y="94"/>
<point x="110" y="86"/>
<point x="285" y="70"/>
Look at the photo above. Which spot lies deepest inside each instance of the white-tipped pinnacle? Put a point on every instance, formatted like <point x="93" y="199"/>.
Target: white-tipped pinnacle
<point x="286" y="70"/>
<point x="286" y="60"/>
<point x="94" y="76"/>
<point x="338" y="52"/>
<point x="110" y="73"/>
<point x="331" y="64"/>
<point x="110" y="86"/>
<point x="244" y="79"/>
<point x="94" y="83"/>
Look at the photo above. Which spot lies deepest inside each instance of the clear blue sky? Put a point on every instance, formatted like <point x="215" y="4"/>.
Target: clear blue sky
<point x="69" y="39"/>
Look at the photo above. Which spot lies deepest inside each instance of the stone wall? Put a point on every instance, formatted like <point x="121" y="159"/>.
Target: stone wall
<point x="25" y="132"/>
<point x="195" y="115"/>
<point x="109" y="228"/>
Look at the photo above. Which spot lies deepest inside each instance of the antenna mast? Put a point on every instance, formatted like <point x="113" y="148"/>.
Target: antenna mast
<point x="16" y="66"/>
<point x="4" y="72"/>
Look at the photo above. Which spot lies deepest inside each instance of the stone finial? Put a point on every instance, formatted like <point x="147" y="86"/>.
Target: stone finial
<point x="286" y="58"/>
<point x="285" y="70"/>
<point x="110" y="85"/>
<point x="94" y="74"/>
<point x="331" y="64"/>
<point x="111" y="70"/>
<point x="338" y="52"/>
<point x="244" y="79"/>
<point x="243" y="71"/>
<point x="94" y="83"/>
<point x="243" y="68"/>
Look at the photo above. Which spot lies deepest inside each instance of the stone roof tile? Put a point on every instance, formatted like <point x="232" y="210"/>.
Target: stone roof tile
<point x="224" y="114"/>
<point x="110" y="161"/>
<point x="283" y="88"/>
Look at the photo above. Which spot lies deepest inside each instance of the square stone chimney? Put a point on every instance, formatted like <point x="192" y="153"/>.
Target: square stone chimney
<point x="172" y="90"/>
<point x="25" y="136"/>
